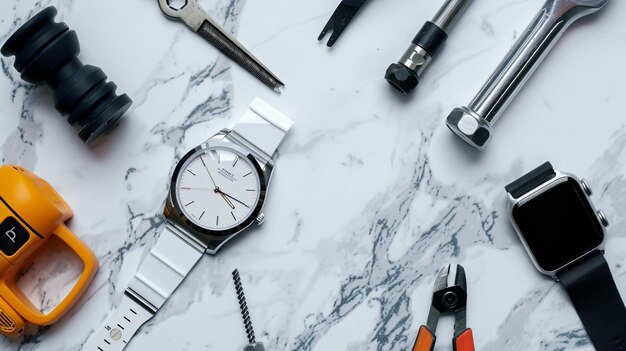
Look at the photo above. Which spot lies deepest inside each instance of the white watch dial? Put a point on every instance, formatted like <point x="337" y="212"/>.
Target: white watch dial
<point x="218" y="189"/>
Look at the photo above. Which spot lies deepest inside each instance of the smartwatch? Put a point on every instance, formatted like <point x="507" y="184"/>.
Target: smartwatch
<point x="564" y="236"/>
<point x="217" y="191"/>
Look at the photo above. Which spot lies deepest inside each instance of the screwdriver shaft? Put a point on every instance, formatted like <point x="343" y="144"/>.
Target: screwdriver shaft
<point x="448" y="14"/>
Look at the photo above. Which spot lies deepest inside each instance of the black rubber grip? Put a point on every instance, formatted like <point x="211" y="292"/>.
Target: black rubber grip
<point x="430" y="38"/>
<point x="594" y="294"/>
<point x="531" y="180"/>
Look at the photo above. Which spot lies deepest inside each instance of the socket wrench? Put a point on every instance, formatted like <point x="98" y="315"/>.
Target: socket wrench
<point x="405" y="75"/>
<point x="474" y="123"/>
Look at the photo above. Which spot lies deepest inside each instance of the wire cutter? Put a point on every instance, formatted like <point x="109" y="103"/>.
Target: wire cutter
<point x="447" y="299"/>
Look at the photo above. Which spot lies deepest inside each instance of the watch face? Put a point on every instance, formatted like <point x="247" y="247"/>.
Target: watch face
<point x="559" y="225"/>
<point x="218" y="188"/>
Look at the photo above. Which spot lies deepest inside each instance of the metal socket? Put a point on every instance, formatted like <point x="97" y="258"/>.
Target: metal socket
<point x="517" y="66"/>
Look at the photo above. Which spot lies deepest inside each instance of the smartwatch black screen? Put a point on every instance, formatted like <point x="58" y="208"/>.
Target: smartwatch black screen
<point x="559" y="225"/>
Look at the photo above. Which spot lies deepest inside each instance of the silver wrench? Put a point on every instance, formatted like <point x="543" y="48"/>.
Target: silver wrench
<point x="201" y="23"/>
<point x="474" y="123"/>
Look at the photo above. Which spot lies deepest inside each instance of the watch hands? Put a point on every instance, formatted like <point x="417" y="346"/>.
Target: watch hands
<point x="217" y="191"/>
<point x="217" y="188"/>
<point x="225" y="198"/>
<point x="223" y="193"/>
<point x="209" y="172"/>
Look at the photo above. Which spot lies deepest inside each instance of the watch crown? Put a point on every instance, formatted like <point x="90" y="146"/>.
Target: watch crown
<point x="586" y="186"/>
<point x="260" y="218"/>
<point x="603" y="219"/>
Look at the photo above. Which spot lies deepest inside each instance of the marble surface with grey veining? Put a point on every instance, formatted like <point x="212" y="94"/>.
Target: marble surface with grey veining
<point x="372" y="193"/>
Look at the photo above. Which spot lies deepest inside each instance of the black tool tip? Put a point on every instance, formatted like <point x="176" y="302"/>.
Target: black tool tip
<point x="402" y="78"/>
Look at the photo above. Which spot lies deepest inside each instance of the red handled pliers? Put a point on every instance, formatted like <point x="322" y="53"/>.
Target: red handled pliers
<point x="447" y="299"/>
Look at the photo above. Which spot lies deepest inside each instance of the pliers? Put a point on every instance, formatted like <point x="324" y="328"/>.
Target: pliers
<point x="447" y="299"/>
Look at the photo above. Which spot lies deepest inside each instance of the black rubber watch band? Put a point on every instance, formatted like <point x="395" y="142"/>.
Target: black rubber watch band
<point x="588" y="282"/>
<point x="594" y="294"/>
<point x="531" y="180"/>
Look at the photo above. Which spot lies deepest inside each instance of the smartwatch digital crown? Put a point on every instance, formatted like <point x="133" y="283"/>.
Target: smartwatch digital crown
<point x="217" y="190"/>
<point x="564" y="235"/>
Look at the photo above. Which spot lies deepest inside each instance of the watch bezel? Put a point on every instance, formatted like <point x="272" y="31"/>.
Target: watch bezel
<point x="559" y="178"/>
<point x="173" y="209"/>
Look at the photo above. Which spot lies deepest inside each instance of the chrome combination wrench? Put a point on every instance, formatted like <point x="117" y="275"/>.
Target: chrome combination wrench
<point x="474" y="123"/>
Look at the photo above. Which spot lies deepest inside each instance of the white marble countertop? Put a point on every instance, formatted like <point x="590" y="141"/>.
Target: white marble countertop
<point x="372" y="193"/>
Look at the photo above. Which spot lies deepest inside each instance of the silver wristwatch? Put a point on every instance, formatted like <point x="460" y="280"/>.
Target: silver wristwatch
<point x="218" y="189"/>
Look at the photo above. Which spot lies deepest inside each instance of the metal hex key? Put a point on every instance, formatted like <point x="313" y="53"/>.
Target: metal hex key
<point x="474" y="123"/>
<point x="201" y="23"/>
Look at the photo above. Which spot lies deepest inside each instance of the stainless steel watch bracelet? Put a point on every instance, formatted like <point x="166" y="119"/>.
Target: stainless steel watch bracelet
<point x="263" y="127"/>
<point x="171" y="259"/>
<point x="176" y="252"/>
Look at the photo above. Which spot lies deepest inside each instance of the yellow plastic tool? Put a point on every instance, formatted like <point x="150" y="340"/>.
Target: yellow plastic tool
<point x="31" y="212"/>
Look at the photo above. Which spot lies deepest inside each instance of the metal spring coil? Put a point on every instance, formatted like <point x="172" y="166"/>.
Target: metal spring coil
<point x="243" y="306"/>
